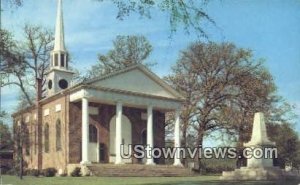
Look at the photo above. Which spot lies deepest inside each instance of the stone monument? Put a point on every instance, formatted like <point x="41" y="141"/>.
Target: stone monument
<point x="258" y="168"/>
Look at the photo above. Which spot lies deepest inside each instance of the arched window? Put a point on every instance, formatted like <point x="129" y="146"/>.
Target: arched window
<point x="58" y="135"/>
<point x="35" y="137"/>
<point x="46" y="138"/>
<point x="62" y="60"/>
<point x="26" y="140"/>
<point x="144" y="137"/>
<point x="93" y="134"/>
<point x="55" y="59"/>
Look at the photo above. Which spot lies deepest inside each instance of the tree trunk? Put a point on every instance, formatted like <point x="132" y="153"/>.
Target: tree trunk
<point x="184" y="139"/>
<point x="198" y="164"/>
<point x="21" y="166"/>
<point x="39" y="92"/>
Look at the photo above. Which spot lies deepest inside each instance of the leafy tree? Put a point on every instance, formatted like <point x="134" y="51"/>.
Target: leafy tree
<point x="5" y="134"/>
<point x="27" y="61"/>
<point x="287" y="143"/>
<point x="221" y="83"/>
<point x="16" y="3"/>
<point x="127" y="50"/>
<point x="188" y="14"/>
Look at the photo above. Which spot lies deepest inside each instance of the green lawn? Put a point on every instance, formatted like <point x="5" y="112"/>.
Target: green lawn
<point x="199" y="180"/>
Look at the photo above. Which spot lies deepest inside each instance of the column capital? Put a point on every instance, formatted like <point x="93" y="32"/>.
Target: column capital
<point x="150" y="106"/>
<point x="85" y="94"/>
<point x="178" y="110"/>
<point x="119" y="102"/>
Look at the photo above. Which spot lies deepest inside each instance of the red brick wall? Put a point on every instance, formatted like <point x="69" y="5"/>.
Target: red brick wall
<point x="53" y="158"/>
<point x="75" y="133"/>
<point x="70" y="116"/>
<point x="106" y="112"/>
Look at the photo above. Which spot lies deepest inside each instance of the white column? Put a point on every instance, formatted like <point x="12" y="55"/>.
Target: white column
<point x="177" y="161"/>
<point x="85" y="131"/>
<point x="149" y="135"/>
<point x="118" y="133"/>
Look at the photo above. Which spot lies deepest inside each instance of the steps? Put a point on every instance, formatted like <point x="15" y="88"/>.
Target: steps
<point x="138" y="170"/>
<point x="245" y="173"/>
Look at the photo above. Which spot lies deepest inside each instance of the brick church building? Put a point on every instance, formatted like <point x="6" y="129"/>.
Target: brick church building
<point x="86" y="123"/>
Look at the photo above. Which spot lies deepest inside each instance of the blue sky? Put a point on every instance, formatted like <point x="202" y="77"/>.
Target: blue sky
<point x="270" y="28"/>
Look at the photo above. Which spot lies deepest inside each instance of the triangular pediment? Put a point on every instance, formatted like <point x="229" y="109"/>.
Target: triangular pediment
<point x="137" y="79"/>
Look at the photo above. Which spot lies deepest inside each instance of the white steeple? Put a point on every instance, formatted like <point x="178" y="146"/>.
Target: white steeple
<point x="59" y="29"/>
<point x="59" y="54"/>
<point x="59" y="77"/>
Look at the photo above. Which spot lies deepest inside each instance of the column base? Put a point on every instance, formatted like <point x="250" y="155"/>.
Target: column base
<point x="119" y="162"/>
<point x="150" y="163"/>
<point x="85" y="162"/>
<point x="178" y="163"/>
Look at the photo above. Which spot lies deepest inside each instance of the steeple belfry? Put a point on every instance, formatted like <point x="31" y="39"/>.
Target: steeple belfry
<point x="59" y="55"/>
<point x="59" y="77"/>
<point x="59" y="29"/>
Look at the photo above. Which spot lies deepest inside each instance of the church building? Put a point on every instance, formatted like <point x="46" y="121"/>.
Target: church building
<point x="86" y="123"/>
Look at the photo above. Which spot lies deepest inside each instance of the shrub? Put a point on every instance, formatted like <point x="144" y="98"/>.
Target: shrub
<point x="10" y="172"/>
<point x="49" y="172"/>
<point x="76" y="172"/>
<point x="33" y="172"/>
<point x="63" y="175"/>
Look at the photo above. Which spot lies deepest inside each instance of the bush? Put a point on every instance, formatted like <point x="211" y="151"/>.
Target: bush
<point x="33" y="172"/>
<point x="11" y="172"/>
<point x="217" y="166"/>
<point x="76" y="172"/>
<point x="49" y="172"/>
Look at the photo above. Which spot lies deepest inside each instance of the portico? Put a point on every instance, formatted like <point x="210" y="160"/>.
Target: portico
<point x="96" y="91"/>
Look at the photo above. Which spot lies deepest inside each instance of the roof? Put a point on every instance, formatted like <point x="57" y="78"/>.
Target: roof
<point x="137" y="79"/>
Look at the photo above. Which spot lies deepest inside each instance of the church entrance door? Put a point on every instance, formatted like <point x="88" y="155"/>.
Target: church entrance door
<point x="126" y="139"/>
<point x="93" y="144"/>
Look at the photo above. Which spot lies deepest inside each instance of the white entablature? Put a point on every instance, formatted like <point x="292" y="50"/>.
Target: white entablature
<point x="133" y="86"/>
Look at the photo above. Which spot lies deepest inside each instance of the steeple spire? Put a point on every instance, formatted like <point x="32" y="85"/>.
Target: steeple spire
<point x="59" y="54"/>
<point x="59" y="29"/>
<point x="59" y="77"/>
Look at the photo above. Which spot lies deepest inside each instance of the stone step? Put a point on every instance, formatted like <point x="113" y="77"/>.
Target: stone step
<point x="132" y="170"/>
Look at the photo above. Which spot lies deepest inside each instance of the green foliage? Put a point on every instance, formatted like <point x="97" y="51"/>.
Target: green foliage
<point x="26" y="60"/>
<point x="33" y="172"/>
<point x="188" y="14"/>
<point x="5" y="137"/>
<point x="127" y="51"/>
<point x="76" y="172"/>
<point x="287" y="143"/>
<point x="10" y="172"/>
<point x="14" y="3"/>
<point x="49" y="172"/>
<point x="217" y="166"/>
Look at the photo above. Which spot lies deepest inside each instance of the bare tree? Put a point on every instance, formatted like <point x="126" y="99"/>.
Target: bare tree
<point x="26" y="62"/>
<point x="219" y="80"/>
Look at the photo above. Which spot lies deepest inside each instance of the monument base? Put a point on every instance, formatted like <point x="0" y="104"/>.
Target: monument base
<point x="246" y="173"/>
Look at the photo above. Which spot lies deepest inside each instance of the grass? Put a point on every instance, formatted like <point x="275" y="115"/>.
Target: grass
<point x="199" y="180"/>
